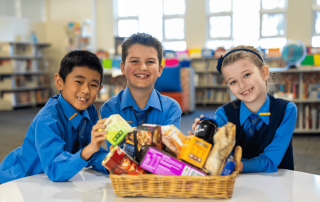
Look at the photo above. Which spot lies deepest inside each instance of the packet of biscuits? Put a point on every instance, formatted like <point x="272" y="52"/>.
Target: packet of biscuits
<point x="119" y="162"/>
<point x="146" y="134"/>
<point x="224" y="141"/>
<point x="172" y="138"/>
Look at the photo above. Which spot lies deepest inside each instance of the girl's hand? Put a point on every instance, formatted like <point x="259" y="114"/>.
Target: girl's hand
<point x="196" y="121"/>
<point x="97" y="139"/>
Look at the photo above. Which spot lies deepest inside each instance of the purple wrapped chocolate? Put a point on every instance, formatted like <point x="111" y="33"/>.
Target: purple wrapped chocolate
<point x="161" y="163"/>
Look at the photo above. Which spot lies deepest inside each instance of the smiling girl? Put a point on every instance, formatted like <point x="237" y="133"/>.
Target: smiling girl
<point x="264" y="124"/>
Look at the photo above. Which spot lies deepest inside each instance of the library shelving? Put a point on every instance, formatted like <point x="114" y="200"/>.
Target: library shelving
<point x="24" y="77"/>
<point x="299" y="85"/>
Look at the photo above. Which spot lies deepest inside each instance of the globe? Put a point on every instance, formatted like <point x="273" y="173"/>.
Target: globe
<point x="294" y="53"/>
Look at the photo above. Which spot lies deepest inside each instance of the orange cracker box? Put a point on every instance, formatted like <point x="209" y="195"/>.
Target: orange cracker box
<point x="194" y="151"/>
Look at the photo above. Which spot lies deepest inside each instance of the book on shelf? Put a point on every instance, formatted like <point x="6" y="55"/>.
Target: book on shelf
<point x="311" y="117"/>
<point x="42" y="95"/>
<point x="288" y="88"/>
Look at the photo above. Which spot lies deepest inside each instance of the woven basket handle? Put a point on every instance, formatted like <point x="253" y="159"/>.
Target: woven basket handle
<point x="237" y="157"/>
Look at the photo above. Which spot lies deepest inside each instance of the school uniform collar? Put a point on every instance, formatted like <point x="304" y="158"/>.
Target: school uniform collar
<point x="245" y="112"/>
<point x="128" y="101"/>
<point x="71" y="113"/>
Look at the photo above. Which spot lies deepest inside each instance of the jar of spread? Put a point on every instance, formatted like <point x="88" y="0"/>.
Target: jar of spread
<point x="206" y="129"/>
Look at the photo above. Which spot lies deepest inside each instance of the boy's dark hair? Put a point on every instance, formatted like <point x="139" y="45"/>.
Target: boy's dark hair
<point x="142" y="39"/>
<point x="79" y="58"/>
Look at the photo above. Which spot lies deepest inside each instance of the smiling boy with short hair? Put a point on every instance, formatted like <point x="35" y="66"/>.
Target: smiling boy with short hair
<point x="140" y="102"/>
<point x="58" y="141"/>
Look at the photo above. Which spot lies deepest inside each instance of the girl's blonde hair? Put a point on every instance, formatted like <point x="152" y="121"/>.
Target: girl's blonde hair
<point x="241" y="54"/>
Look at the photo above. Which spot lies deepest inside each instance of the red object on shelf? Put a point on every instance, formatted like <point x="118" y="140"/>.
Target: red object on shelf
<point x="178" y="96"/>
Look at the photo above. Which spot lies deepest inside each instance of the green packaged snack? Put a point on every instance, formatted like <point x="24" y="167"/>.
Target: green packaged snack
<point x="117" y="129"/>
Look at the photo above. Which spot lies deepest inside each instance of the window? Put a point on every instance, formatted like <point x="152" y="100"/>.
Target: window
<point x="165" y="20"/>
<point x="28" y="9"/>
<point x="233" y="22"/>
<point x="315" y="42"/>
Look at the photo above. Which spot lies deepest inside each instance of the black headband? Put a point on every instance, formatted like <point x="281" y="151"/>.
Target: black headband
<point x="240" y="49"/>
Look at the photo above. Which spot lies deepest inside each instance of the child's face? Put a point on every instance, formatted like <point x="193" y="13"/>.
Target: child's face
<point x="141" y="67"/>
<point x="246" y="81"/>
<point x="80" y="88"/>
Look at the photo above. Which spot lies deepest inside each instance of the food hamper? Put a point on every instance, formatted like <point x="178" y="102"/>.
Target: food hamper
<point x="171" y="186"/>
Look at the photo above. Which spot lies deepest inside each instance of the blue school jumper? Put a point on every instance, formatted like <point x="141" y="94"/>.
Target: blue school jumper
<point x="53" y="144"/>
<point x="162" y="110"/>
<point x="253" y="146"/>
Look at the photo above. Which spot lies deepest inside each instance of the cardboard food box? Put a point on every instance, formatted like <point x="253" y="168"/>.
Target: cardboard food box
<point x="172" y="138"/>
<point x="194" y="151"/>
<point x="117" y="129"/>
<point x="159" y="162"/>
<point x="148" y="134"/>
<point x="118" y="162"/>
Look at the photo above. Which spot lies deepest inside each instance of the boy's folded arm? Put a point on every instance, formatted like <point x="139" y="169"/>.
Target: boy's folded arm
<point x="174" y="115"/>
<point x="96" y="160"/>
<point x="58" y="165"/>
<point x="269" y="160"/>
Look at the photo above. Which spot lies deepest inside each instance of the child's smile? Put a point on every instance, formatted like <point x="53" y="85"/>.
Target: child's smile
<point x="245" y="82"/>
<point x="142" y="76"/>
<point x="81" y="87"/>
<point x="247" y="92"/>
<point x="141" y="67"/>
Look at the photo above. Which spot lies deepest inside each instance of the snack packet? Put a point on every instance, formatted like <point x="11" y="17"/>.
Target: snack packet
<point x="118" y="162"/>
<point x="172" y="138"/>
<point x="160" y="162"/>
<point x="117" y="129"/>
<point x="224" y="141"/>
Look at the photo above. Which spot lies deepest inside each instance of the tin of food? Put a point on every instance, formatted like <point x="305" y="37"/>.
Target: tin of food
<point x="206" y="129"/>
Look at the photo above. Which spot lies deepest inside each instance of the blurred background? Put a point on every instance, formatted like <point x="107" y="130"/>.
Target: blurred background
<point x="36" y="34"/>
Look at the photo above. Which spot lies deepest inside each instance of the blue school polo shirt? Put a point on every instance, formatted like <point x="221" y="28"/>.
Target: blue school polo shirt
<point x="272" y="155"/>
<point x="163" y="109"/>
<point x="49" y="145"/>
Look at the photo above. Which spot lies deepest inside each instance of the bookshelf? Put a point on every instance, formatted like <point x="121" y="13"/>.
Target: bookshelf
<point x="24" y="76"/>
<point x="302" y="84"/>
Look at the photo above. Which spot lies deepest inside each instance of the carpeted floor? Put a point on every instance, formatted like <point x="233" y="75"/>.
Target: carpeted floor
<point x="14" y="124"/>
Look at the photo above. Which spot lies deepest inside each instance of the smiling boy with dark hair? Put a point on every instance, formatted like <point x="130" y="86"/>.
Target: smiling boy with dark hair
<point x="140" y="102"/>
<point x="62" y="138"/>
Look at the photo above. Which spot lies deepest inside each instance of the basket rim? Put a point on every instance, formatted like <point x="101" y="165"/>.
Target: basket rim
<point x="235" y="173"/>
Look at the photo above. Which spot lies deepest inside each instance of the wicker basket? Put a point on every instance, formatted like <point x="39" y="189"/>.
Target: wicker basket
<point x="167" y="186"/>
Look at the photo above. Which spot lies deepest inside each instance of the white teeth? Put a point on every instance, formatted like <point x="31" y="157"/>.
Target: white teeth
<point x="82" y="99"/>
<point x="142" y="75"/>
<point x="246" y="92"/>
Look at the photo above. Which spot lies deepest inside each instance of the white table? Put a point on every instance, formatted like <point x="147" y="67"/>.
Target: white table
<point x="89" y="185"/>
